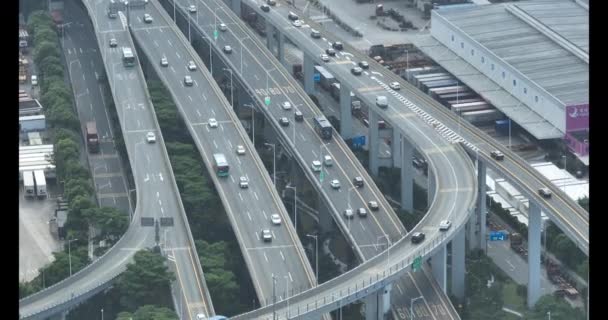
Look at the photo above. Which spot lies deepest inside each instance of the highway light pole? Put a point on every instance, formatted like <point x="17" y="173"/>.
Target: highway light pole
<point x="287" y="293"/>
<point x="295" y="206"/>
<point x="252" y="121"/>
<point x="210" y="58"/>
<point x="70" y="255"/>
<point x="412" y="306"/>
<point x="174" y="11"/>
<point x="316" y="256"/>
<point x="189" y="39"/>
<point x="274" y="298"/>
<point x="274" y="162"/>
<point x="102" y="314"/>
<point x="231" y="88"/>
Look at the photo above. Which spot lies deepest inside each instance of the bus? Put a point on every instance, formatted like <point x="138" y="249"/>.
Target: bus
<point x="128" y="58"/>
<point x="323" y="127"/>
<point x="221" y="165"/>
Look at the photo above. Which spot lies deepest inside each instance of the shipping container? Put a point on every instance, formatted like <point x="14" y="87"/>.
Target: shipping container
<point x="464" y="105"/>
<point x="468" y="105"/>
<point x="28" y="184"/>
<point x="482" y="116"/>
<point x="40" y="182"/>
<point x="438" y="84"/>
<point x="502" y="126"/>
<point x="447" y="90"/>
<point x="32" y="123"/>
<point x="326" y="78"/>
<point x="34" y="138"/>
<point x="458" y="95"/>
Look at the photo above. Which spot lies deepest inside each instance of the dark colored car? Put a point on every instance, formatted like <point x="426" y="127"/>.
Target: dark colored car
<point x="364" y="65"/>
<point x="299" y="116"/>
<point x="330" y="52"/>
<point x="358" y="182"/>
<point x="265" y="8"/>
<point x="338" y="45"/>
<point x="418" y="237"/>
<point x="284" y="121"/>
<point x="497" y="155"/>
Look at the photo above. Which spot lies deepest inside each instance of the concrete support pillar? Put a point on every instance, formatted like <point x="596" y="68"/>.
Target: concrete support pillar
<point x="373" y="142"/>
<point x="396" y="149"/>
<point x="534" y="224"/>
<point x="346" y="119"/>
<point x="308" y="69"/>
<point x="235" y="5"/>
<point x="430" y="192"/>
<point x="378" y="305"/>
<point x="407" y="174"/>
<point x="471" y="228"/>
<point x="281" y="47"/>
<point x="439" y="264"/>
<point x="326" y="223"/>
<point x="458" y="265"/>
<point x="269" y="36"/>
<point x="481" y="205"/>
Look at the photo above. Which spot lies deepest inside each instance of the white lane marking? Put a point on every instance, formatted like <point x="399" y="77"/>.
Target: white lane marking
<point x="147" y="31"/>
<point x="302" y="136"/>
<point x="162" y="211"/>
<point x="264" y="212"/>
<point x="239" y="160"/>
<point x="205" y="97"/>
<point x="173" y="70"/>
<point x="229" y="144"/>
<point x="290" y="278"/>
<point x="171" y="44"/>
<point x="207" y="128"/>
<point x="232" y="178"/>
<point x="157" y="194"/>
<point x="282" y="256"/>
<point x="160" y="176"/>
<point x="198" y="112"/>
<point x="314" y="153"/>
<point x="249" y="215"/>
<point x="215" y="144"/>
<point x="213" y="111"/>
<point x="222" y="127"/>
<point x="177" y="54"/>
<point x="160" y="202"/>
<point x="256" y="196"/>
<point x="256" y="77"/>
<point x="156" y="44"/>
<point x="189" y="97"/>
<point x="240" y="196"/>
<point x="362" y="226"/>
<point x="265" y="257"/>
<point x="399" y="288"/>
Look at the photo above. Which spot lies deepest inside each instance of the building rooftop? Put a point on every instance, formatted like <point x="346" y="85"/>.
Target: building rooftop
<point x="540" y="39"/>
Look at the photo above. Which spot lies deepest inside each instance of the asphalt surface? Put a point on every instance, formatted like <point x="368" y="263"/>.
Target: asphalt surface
<point x="249" y="209"/>
<point x="457" y="186"/>
<point x="564" y="211"/>
<point x="157" y="194"/>
<point x="85" y="67"/>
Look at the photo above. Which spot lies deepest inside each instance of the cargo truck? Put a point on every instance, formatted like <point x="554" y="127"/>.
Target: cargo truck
<point x="28" y="184"/>
<point x="32" y="123"/>
<point x="92" y="137"/>
<point x="40" y="182"/>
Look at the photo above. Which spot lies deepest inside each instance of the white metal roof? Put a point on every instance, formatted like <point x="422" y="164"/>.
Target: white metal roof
<point x="527" y="45"/>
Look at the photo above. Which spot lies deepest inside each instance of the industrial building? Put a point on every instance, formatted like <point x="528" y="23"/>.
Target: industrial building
<point x="529" y="59"/>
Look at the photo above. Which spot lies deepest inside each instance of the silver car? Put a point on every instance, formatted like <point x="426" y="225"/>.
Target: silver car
<point x="266" y="235"/>
<point x="243" y="183"/>
<point x="335" y="183"/>
<point x="191" y="66"/>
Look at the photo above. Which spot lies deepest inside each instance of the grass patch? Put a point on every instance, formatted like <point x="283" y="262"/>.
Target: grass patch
<point x="511" y="299"/>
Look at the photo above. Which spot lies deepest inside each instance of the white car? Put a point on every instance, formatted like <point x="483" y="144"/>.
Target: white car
<point x="113" y="43"/>
<point x="188" y="81"/>
<point x="164" y="62"/>
<point x="243" y="182"/>
<point x="151" y="137"/>
<point x="297" y="23"/>
<point x="348" y="213"/>
<point x="191" y="66"/>
<point x="445" y="225"/>
<point x="212" y="123"/>
<point x="200" y="316"/>
<point x="147" y="18"/>
<point x="240" y="150"/>
<point x="276" y="219"/>
<point x="286" y="105"/>
<point x="266" y="235"/>
<point x="227" y="49"/>
<point x="223" y="27"/>
<point x="324" y="57"/>
<point x="316" y="166"/>
<point x="395" y="85"/>
<point x="335" y="183"/>
<point x="192" y="8"/>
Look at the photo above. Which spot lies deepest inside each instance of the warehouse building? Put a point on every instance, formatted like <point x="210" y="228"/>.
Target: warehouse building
<point x="530" y="59"/>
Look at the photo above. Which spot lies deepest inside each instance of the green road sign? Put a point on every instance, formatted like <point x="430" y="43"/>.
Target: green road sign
<point x="321" y="176"/>
<point x="215" y="34"/>
<point x="267" y="101"/>
<point x="417" y="264"/>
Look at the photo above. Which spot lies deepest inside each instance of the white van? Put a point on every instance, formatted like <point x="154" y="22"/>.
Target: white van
<point x="34" y="80"/>
<point x="382" y="102"/>
<point x="316" y="166"/>
<point x="327" y="161"/>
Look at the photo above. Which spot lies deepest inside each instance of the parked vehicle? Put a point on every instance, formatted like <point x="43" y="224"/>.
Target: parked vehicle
<point x="28" y="184"/>
<point x="40" y="182"/>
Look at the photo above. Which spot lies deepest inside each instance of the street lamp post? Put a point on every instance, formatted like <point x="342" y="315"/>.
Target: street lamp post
<point x="252" y="121"/>
<point x="70" y="255"/>
<point x="295" y="206"/>
<point x="274" y="162"/>
<point x="102" y="314"/>
<point x="316" y="256"/>
<point x="274" y="298"/>
<point x="231" y="88"/>
<point x="189" y="39"/>
<point x="412" y="306"/>
<point x="287" y="293"/>
<point x="549" y="315"/>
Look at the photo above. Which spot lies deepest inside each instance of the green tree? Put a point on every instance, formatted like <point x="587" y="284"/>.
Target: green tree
<point x="77" y="187"/>
<point x="51" y="70"/>
<point x="75" y="170"/>
<point x="559" y="309"/>
<point x="45" y="49"/>
<point x="76" y="221"/>
<point x="145" y="281"/>
<point x="63" y="117"/>
<point x="38" y="19"/>
<point x="45" y="35"/>
<point x="584" y="202"/>
<point x="59" y="269"/>
<point x="111" y="221"/>
<point x="64" y="134"/>
<point x="149" y="312"/>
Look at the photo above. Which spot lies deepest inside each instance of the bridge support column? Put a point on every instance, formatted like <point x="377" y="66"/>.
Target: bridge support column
<point x="534" y="224"/>
<point x="439" y="264"/>
<point x="269" y="36"/>
<point x="396" y="148"/>
<point x="325" y="218"/>
<point x="346" y="119"/>
<point x="480" y="210"/>
<point x="281" y="47"/>
<point x="235" y="5"/>
<point x="374" y="141"/>
<point x="378" y="305"/>
<point x="407" y="173"/>
<point x="458" y="264"/>
<point x="430" y="191"/>
<point x="309" y="73"/>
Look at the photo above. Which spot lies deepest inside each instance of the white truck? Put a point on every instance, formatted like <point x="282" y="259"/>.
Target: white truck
<point x="28" y="184"/>
<point x="40" y="181"/>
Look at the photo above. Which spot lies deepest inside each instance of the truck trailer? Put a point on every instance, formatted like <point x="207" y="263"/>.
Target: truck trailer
<point x="28" y="184"/>
<point x="92" y="137"/>
<point x="40" y="182"/>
